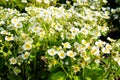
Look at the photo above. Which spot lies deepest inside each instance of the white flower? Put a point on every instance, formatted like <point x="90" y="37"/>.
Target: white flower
<point x="97" y="61"/>
<point x="76" y="68"/>
<point x="84" y="31"/>
<point x="24" y="1"/>
<point x="76" y="45"/>
<point x="13" y="60"/>
<point x="62" y="36"/>
<point x="16" y="71"/>
<point x="104" y="28"/>
<point x="59" y="27"/>
<point x="14" y="20"/>
<point x="4" y="32"/>
<point x="86" y="58"/>
<point x="117" y="59"/>
<point x="52" y="52"/>
<point x="80" y="48"/>
<point x="96" y="33"/>
<point x="2" y="22"/>
<point x="41" y="34"/>
<point x="105" y="1"/>
<point x="88" y="46"/>
<point x="71" y="54"/>
<point x="99" y="43"/>
<point x="87" y="26"/>
<point x="76" y="23"/>
<point x="18" y="25"/>
<point x="36" y="28"/>
<point x="52" y="31"/>
<point x="95" y="51"/>
<point x="61" y="54"/>
<point x="69" y="36"/>
<point x="7" y="38"/>
<point x="59" y="48"/>
<point x="74" y="31"/>
<point x="66" y="63"/>
<point x="104" y="50"/>
<point x="66" y="45"/>
<point x="83" y="53"/>
<point x="108" y="46"/>
<point x="39" y="1"/>
<point x="68" y="15"/>
<point x="92" y="7"/>
<point x="27" y="46"/>
<point x="25" y="55"/>
<point x="29" y="40"/>
<point x="103" y="8"/>
<point x="19" y="59"/>
<point x="46" y="1"/>
<point x="84" y="42"/>
<point x="110" y="39"/>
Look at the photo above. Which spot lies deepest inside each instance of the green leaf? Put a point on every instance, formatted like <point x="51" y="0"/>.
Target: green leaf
<point x="76" y="77"/>
<point x="100" y="78"/>
<point x="38" y="44"/>
<point x="1" y="63"/>
<point x="58" y="76"/>
<point x="88" y="78"/>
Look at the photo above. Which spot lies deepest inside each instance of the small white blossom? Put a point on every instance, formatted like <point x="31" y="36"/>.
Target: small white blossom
<point x="95" y="51"/>
<point x="14" y="20"/>
<point x="104" y="50"/>
<point x="41" y="34"/>
<point x="99" y="43"/>
<point x="4" y="32"/>
<point x="66" y="45"/>
<point x="74" y="31"/>
<point x="76" y="45"/>
<point x="84" y="42"/>
<point x="25" y="55"/>
<point x="36" y="28"/>
<point x="84" y="31"/>
<point x="2" y="22"/>
<point x="52" y="52"/>
<point x="39" y="1"/>
<point x="46" y="1"/>
<point x="108" y="46"/>
<point x="105" y="1"/>
<point x="117" y="59"/>
<point x="24" y="1"/>
<point x="7" y="38"/>
<point x="61" y="54"/>
<point x="86" y="58"/>
<point x="16" y="71"/>
<point x="18" y="25"/>
<point x="110" y="39"/>
<point x="71" y="54"/>
<point x="27" y="46"/>
<point x="13" y="60"/>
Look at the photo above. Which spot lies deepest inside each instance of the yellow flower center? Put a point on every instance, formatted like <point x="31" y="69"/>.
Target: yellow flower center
<point x="27" y="45"/>
<point x="13" y="61"/>
<point x="52" y="51"/>
<point x="71" y="54"/>
<point x="26" y="55"/>
<point x="62" y="54"/>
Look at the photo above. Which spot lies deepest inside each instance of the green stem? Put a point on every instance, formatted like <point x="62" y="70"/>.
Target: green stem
<point x="65" y="71"/>
<point x="35" y="62"/>
<point x="109" y="69"/>
<point x="23" y="70"/>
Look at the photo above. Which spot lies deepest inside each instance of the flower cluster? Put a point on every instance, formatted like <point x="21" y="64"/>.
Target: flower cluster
<point x="68" y="38"/>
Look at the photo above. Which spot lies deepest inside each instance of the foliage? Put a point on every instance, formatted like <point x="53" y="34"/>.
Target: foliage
<point x="58" y="43"/>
